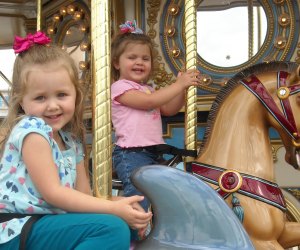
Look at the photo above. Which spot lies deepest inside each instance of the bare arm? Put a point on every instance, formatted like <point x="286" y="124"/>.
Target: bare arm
<point x="82" y="180"/>
<point x="44" y="175"/>
<point x="170" y="99"/>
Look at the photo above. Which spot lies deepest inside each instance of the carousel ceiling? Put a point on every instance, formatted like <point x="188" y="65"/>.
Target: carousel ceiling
<point x="12" y="17"/>
<point x="15" y="17"/>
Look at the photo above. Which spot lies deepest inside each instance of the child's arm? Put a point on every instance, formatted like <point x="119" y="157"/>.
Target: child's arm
<point x="82" y="180"/>
<point x="173" y="94"/>
<point x="44" y="175"/>
<point x="175" y="104"/>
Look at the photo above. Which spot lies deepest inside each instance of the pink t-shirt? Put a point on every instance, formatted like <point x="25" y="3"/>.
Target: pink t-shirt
<point x="134" y="127"/>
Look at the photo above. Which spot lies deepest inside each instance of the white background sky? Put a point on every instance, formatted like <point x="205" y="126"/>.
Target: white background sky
<point x="7" y="58"/>
<point x="222" y="36"/>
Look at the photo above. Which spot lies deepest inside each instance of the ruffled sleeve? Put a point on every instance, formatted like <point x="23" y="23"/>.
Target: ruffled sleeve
<point x="120" y="87"/>
<point x="30" y="124"/>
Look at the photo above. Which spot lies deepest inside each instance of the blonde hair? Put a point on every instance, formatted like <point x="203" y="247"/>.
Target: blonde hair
<point x="42" y="55"/>
<point x="118" y="47"/>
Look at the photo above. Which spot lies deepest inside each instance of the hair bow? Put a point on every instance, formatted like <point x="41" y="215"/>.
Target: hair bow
<point x="22" y="44"/>
<point x="130" y="27"/>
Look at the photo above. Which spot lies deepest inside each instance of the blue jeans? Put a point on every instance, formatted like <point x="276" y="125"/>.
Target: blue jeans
<point x="75" y="231"/>
<point x="125" y="162"/>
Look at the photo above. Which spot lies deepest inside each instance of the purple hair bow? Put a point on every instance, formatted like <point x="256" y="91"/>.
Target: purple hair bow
<point x="130" y="27"/>
<point x="22" y="44"/>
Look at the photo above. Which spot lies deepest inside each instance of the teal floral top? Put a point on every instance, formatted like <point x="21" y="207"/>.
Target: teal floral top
<point x="17" y="192"/>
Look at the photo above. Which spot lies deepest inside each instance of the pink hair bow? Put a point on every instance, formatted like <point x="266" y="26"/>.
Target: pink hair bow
<point x="130" y="27"/>
<point x="22" y="44"/>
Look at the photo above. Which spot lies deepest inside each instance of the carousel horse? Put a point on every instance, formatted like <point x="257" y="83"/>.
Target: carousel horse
<point x="236" y="160"/>
<point x="236" y="154"/>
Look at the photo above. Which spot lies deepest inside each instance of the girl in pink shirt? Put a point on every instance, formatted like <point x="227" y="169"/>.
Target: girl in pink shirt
<point x="136" y="107"/>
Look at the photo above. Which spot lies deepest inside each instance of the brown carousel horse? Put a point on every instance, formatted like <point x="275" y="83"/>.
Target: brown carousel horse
<point x="236" y="156"/>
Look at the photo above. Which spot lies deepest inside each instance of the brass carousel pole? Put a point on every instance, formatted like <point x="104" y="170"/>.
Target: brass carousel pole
<point x="250" y="29"/>
<point x="191" y="63"/>
<point x="39" y="15"/>
<point x="102" y="140"/>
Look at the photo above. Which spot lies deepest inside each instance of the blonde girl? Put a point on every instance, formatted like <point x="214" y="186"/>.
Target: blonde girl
<point x="43" y="179"/>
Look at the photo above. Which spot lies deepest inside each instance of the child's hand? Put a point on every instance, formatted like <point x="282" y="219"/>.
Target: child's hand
<point x="132" y="213"/>
<point x="142" y="232"/>
<point x="188" y="78"/>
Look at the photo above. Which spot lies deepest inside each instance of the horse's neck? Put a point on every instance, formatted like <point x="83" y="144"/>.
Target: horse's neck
<point x="239" y="138"/>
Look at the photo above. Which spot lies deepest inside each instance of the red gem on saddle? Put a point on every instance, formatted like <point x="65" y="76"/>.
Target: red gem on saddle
<point x="230" y="181"/>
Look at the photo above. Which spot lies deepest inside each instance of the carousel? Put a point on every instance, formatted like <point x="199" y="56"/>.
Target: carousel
<point x="242" y="190"/>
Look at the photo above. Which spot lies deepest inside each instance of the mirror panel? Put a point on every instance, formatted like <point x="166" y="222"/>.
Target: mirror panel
<point x="228" y="36"/>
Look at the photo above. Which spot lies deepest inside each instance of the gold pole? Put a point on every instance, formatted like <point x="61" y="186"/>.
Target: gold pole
<point x="191" y="63"/>
<point x="39" y="15"/>
<point x="102" y="141"/>
<point x="250" y="29"/>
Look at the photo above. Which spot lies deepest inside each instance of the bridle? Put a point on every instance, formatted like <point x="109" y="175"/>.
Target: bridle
<point x="286" y="118"/>
<point x="230" y="181"/>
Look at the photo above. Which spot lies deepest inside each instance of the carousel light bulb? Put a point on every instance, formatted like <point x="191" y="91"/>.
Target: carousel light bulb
<point x="173" y="9"/>
<point x="170" y="31"/>
<point x="63" y="11"/>
<point x="83" y="65"/>
<point x="175" y="52"/>
<point x="50" y="30"/>
<point x="56" y="17"/>
<point x="69" y="32"/>
<point x="84" y="46"/>
<point x="77" y="15"/>
<point x="71" y="9"/>
<point x="82" y="28"/>
<point x="284" y="20"/>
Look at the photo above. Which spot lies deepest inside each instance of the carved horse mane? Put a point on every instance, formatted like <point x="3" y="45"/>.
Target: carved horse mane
<point x="235" y="81"/>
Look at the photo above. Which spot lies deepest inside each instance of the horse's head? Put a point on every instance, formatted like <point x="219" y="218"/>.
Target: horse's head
<point x="287" y="98"/>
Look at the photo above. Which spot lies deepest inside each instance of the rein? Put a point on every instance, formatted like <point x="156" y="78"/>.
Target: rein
<point x="286" y="118"/>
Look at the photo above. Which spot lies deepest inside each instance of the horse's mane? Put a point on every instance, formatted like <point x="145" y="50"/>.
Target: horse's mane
<point x="235" y="81"/>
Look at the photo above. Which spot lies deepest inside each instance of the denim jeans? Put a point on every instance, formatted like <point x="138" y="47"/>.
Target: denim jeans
<point x="125" y="162"/>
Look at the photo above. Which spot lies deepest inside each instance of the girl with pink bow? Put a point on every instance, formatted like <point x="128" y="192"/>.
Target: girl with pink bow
<point x="45" y="198"/>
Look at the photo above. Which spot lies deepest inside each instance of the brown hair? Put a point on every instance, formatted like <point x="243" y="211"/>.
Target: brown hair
<point x="118" y="47"/>
<point x="25" y="61"/>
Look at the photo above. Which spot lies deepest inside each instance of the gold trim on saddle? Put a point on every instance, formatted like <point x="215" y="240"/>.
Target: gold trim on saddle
<point x="230" y="181"/>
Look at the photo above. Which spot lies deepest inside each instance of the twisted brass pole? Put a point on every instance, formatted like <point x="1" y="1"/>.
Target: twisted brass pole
<point x="191" y="63"/>
<point x="250" y="29"/>
<point x="39" y="15"/>
<point x="102" y="140"/>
